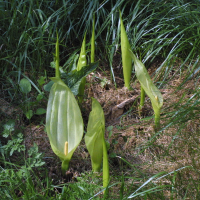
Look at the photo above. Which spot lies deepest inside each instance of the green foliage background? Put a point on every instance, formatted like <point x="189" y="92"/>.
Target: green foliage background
<point x="158" y="30"/>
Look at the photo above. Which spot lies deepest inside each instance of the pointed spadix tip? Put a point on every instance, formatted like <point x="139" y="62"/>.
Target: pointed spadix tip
<point x="66" y="148"/>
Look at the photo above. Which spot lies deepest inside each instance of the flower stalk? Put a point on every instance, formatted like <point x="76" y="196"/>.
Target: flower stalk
<point x="142" y="97"/>
<point x="93" y="40"/>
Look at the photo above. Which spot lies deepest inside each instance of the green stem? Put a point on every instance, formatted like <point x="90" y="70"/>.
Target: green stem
<point x="105" y="166"/>
<point x="65" y="166"/>
<point x="142" y="97"/>
<point x="157" y="118"/>
<point x="57" y="58"/>
<point x="93" y="40"/>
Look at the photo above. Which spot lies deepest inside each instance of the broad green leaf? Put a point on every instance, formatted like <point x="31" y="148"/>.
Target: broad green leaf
<point x="40" y="111"/>
<point x="73" y="79"/>
<point x="25" y="85"/>
<point x="64" y="122"/>
<point x="126" y="58"/>
<point x="48" y="86"/>
<point x="147" y="84"/>
<point x="95" y="135"/>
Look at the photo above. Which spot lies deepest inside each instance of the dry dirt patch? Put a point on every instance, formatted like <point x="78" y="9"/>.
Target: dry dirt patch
<point x="171" y="149"/>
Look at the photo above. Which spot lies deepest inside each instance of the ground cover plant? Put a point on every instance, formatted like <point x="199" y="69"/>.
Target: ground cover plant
<point x="144" y="163"/>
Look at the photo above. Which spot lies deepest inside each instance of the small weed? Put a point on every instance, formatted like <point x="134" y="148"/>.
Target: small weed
<point x="16" y="139"/>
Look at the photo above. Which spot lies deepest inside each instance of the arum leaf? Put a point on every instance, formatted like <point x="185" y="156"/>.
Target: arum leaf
<point x="95" y="135"/>
<point x="126" y="58"/>
<point x="64" y="123"/>
<point x="48" y="86"/>
<point x="73" y="79"/>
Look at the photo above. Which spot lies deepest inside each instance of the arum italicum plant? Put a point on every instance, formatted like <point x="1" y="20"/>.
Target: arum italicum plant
<point x="64" y="123"/>
<point x="147" y="85"/>
<point x="95" y="141"/>
<point x="150" y="89"/>
<point x="127" y="61"/>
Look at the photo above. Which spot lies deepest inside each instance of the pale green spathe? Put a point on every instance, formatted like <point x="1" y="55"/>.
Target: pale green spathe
<point x="95" y="141"/>
<point x="95" y="135"/>
<point x="147" y="84"/>
<point x="64" y="122"/>
<point x="126" y="58"/>
<point x="82" y="61"/>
